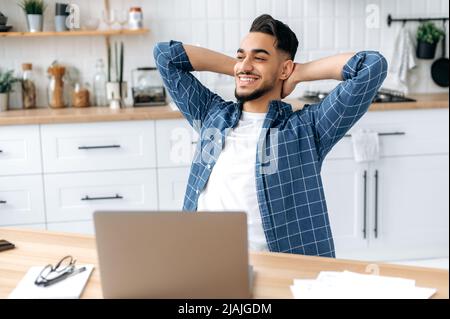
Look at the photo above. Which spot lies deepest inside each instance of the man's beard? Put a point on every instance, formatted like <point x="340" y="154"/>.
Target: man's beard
<point x="253" y="95"/>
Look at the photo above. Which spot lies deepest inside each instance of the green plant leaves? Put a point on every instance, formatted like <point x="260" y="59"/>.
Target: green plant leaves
<point x="7" y="79"/>
<point x="33" y="6"/>
<point x="429" y="33"/>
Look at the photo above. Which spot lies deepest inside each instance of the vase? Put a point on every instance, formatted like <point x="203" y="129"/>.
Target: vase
<point x="425" y="50"/>
<point x="35" y="22"/>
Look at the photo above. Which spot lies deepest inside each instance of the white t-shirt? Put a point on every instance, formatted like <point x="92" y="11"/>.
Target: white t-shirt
<point x="231" y="185"/>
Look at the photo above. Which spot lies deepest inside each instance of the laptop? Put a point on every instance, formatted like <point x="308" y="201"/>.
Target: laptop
<point x="175" y="255"/>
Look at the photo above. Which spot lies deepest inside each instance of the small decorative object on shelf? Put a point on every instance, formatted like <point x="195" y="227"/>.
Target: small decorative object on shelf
<point x="3" y="26"/>
<point x="428" y="35"/>
<point x="28" y="87"/>
<point x="56" y="86"/>
<point x="34" y="10"/>
<point x="135" y="19"/>
<point x="61" y="14"/>
<point x="7" y="79"/>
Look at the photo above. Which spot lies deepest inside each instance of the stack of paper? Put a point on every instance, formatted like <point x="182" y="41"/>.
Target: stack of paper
<point x="349" y="285"/>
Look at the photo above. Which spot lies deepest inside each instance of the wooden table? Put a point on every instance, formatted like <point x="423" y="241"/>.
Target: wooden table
<point x="274" y="272"/>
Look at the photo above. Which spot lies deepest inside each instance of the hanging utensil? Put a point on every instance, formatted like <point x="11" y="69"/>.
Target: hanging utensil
<point x="440" y="67"/>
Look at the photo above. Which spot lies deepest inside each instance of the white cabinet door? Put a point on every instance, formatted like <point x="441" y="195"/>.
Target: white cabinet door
<point x="172" y="187"/>
<point x="20" y="150"/>
<point x="98" y="146"/>
<point x="21" y="200"/>
<point x="74" y="197"/>
<point x="176" y="143"/>
<point x="411" y="211"/>
<point x="344" y="184"/>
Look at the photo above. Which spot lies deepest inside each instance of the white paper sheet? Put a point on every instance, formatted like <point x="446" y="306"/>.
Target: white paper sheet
<point x="69" y="288"/>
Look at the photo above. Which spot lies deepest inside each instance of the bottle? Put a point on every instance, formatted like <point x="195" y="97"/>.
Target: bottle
<point x="100" y="84"/>
<point x="135" y="18"/>
<point x="28" y="87"/>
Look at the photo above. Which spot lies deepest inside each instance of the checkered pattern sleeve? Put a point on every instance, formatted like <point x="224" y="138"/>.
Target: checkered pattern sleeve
<point x="362" y="76"/>
<point x="189" y="94"/>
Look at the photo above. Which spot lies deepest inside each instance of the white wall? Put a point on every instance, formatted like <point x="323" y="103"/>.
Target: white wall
<point x="324" y="27"/>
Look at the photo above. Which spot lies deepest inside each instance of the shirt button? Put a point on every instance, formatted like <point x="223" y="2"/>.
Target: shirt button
<point x="197" y="191"/>
<point x="208" y="166"/>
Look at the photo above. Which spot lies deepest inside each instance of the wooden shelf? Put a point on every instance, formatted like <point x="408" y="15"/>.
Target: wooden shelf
<point x="73" y="33"/>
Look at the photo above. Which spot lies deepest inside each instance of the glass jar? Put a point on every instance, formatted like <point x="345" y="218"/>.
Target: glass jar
<point x="56" y="86"/>
<point x="80" y="96"/>
<point x="135" y="18"/>
<point x="28" y="87"/>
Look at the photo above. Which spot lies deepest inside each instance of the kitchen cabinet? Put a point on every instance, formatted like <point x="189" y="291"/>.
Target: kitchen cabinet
<point x="21" y="200"/>
<point x="176" y="143"/>
<point x="20" y="151"/>
<point x="172" y="184"/>
<point x="98" y="146"/>
<point x="403" y="195"/>
<point x="74" y="197"/>
<point x="410" y="207"/>
<point x="345" y="186"/>
<point x="396" y="207"/>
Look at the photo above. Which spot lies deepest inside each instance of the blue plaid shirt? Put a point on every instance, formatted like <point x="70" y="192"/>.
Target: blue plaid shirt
<point x="291" y="197"/>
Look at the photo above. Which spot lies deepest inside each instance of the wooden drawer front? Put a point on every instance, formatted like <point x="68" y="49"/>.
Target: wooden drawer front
<point x="21" y="200"/>
<point x="74" y="197"/>
<point x="98" y="146"/>
<point x="176" y="143"/>
<point x="20" y="151"/>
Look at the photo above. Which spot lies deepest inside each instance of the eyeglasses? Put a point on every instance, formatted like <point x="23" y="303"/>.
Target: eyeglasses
<point x="52" y="274"/>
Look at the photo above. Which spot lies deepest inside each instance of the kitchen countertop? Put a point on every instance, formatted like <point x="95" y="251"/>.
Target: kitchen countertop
<point x="104" y="114"/>
<point x="274" y="272"/>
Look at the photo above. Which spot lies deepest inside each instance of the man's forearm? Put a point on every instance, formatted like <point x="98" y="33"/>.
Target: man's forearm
<point x="322" y="69"/>
<point x="207" y="60"/>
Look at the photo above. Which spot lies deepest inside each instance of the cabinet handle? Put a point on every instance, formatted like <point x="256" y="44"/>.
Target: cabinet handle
<point x="102" y="198"/>
<point x="365" y="205"/>
<point x="383" y="134"/>
<point x="376" y="204"/>
<point x="97" y="147"/>
<point x="2" y="201"/>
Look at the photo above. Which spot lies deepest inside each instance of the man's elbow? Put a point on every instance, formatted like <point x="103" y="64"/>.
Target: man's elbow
<point x="159" y="51"/>
<point x="378" y="64"/>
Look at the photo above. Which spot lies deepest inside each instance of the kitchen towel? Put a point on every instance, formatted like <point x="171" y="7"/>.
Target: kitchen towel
<point x="402" y="62"/>
<point x="366" y="146"/>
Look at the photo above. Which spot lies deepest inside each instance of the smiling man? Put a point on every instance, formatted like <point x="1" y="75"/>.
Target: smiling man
<point x="257" y="155"/>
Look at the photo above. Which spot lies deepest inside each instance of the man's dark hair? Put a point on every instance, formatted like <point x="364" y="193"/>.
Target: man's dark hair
<point x="286" y="40"/>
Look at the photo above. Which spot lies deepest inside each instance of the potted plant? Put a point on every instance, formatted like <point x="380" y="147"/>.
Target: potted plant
<point x="6" y="81"/>
<point x="34" y="10"/>
<point x="428" y="35"/>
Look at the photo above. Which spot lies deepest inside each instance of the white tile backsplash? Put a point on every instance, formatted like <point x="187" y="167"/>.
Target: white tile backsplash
<point x="324" y="27"/>
<point x="247" y="9"/>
